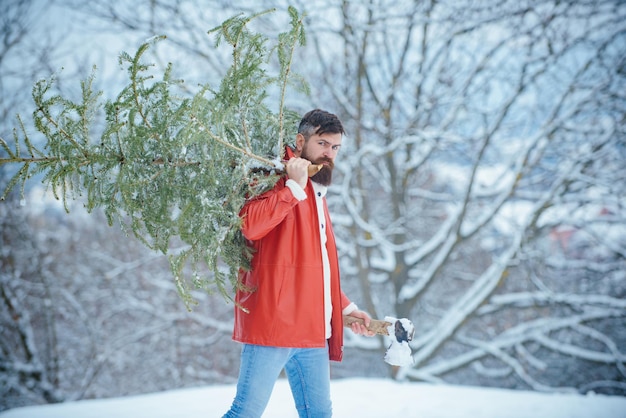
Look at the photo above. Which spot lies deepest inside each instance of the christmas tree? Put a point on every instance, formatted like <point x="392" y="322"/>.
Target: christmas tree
<point x="169" y="168"/>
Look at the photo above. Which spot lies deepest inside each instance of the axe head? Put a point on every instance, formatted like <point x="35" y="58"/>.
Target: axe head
<point x="401" y="332"/>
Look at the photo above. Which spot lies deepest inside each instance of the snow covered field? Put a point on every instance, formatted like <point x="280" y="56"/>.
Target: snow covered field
<point x="362" y="398"/>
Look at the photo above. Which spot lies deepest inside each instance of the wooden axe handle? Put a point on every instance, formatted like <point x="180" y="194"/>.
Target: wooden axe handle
<point x="311" y="170"/>
<point x="314" y="168"/>
<point x="376" y="325"/>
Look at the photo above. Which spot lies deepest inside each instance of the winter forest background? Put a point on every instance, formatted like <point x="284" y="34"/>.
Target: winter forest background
<point x="481" y="192"/>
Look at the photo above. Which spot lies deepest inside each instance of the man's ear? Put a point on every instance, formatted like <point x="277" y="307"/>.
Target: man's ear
<point x="300" y="140"/>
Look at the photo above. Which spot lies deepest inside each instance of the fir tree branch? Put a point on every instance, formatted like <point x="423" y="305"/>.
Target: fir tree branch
<point x="227" y="144"/>
<point x="134" y="70"/>
<point x="169" y="167"/>
<point x="44" y="112"/>
<point x="295" y="38"/>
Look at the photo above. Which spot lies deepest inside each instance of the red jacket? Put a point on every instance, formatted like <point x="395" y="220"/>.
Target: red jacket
<point x="284" y="290"/>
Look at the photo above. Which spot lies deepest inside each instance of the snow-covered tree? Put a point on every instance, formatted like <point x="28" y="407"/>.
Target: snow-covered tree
<point x="86" y="312"/>
<point x="482" y="191"/>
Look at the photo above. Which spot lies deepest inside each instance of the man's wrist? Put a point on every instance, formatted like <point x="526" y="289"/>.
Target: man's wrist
<point x="350" y="308"/>
<point x="297" y="190"/>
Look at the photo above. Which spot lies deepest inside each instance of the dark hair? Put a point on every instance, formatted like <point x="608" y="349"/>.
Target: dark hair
<point x="319" y="121"/>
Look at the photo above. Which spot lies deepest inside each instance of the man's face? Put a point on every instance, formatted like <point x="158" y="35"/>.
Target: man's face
<point x="322" y="149"/>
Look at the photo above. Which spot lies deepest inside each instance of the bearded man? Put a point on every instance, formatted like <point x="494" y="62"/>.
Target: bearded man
<point x="290" y="303"/>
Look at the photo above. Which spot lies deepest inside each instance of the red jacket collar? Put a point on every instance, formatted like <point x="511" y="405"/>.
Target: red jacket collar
<point x="289" y="153"/>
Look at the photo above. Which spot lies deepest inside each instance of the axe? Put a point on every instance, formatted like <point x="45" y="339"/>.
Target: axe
<point x="399" y="331"/>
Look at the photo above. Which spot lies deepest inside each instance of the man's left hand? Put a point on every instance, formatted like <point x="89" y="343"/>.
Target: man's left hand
<point x="361" y="329"/>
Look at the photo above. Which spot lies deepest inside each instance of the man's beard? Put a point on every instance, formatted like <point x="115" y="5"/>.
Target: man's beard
<point x="325" y="175"/>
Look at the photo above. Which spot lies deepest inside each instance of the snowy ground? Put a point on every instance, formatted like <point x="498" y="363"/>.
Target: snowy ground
<point x="362" y="398"/>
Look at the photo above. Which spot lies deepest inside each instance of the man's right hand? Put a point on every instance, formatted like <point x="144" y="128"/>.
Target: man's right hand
<point x="297" y="170"/>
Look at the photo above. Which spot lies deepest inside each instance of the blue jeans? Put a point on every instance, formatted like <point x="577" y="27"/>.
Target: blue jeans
<point x="308" y="372"/>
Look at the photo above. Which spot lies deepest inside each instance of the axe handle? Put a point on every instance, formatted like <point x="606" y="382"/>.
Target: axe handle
<point x="376" y="325"/>
<point x="311" y="170"/>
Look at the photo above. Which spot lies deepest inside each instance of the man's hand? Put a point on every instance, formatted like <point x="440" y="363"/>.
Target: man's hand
<point x="361" y="329"/>
<point x="297" y="170"/>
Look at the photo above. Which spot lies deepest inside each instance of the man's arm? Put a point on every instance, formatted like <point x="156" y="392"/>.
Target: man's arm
<point x="261" y="214"/>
